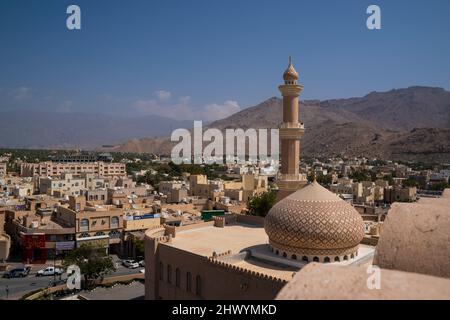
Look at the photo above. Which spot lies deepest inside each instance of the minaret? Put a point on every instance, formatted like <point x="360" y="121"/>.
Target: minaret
<point x="291" y="130"/>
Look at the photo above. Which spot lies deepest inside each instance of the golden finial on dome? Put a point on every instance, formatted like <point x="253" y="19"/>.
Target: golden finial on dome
<point x="313" y="177"/>
<point x="290" y="75"/>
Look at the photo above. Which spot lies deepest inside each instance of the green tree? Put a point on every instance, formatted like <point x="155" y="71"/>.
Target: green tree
<point x="324" y="179"/>
<point x="93" y="261"/>
<point x="139" y="247"/>
<point x="260" y="205"/>
<point x="410" y="183"/>
<point x="439" y="186"/>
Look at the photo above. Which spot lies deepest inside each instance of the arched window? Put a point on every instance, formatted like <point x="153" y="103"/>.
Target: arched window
<point x="84" y="225"/>
<point x="326" y="260"/>
<point x="169" y="273"/>
<point x="100" y="233"/>
<point x="161" y="271"/>
<point x="284" y="255"/>
<point x="84" y="235"/>
<point x="352" y="256"/>
<point x="337" y="259"/>
<point x="177" y="277"/>
<point x="345" y="258"/>
<point x="305" y="258"/>
<point x="294" y="257"/>
<point x="188" y="282"/>
<point x="316" y="259"/>
<point x="277" y="252"/>
<point x="114" y="234"/>
<point x="198" y="285"/>
<point x="114" y="222"/>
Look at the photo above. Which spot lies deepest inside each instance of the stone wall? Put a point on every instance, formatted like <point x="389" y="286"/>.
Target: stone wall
<point x="415" y="238"/>
<point x="326" y="282"/>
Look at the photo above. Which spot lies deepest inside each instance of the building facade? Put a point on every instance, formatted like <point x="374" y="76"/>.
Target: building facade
<point x="49" y="168"/>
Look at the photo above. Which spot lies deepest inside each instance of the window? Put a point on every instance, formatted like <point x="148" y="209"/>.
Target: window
<point x="161" y="271"/>
<point x="169" y="273"/>
<point x="198" y="285"/>
<point x="84" y="225"/>
<point x="188" y="282"/>
<point x="326" y="260"/>
<point x="177" y="277"/>
<point x="114" y="222"/>
<point x="316" y="259"/>
<point x="114" y="234"/>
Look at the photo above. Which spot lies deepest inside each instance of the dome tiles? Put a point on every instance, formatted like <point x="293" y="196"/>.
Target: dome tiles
<point x="314" y="224"/>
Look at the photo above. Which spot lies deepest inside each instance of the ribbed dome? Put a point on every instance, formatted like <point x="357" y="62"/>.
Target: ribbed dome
<point x="314" y="223"/>
<point x="290" y="74"/>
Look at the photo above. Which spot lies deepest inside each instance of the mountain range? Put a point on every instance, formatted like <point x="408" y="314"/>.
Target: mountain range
<point x="400" y="124"/>
<point x="57" y="130"/>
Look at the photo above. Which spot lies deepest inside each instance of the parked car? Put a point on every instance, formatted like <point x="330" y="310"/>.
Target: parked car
<point x="130" y="264"/>
<point x="142" y="263"/>
<point x="49" y="271"/>
<point x="17" y="272"/>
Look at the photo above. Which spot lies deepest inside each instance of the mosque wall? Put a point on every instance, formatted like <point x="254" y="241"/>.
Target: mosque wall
<point x="179" y="274"/>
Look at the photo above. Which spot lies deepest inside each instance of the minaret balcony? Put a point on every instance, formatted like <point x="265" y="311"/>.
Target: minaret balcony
<point x="291" y="177"/>
<point x="291" y="125"/>
<point x="290" y="130"/>
<point x="292" y="90"/>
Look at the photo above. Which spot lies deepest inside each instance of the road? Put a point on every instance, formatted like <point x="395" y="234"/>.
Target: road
<point x="19" y="286"/>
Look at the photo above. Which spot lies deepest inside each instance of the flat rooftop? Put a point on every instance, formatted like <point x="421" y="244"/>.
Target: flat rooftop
<point x="241" y="237"/>
<point x="206" y="240"/>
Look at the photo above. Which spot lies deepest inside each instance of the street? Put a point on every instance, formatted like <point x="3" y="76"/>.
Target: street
<point x="20" y="286"/>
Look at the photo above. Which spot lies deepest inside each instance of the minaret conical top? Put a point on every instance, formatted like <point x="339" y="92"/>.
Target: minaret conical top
<point x="290" y="76"/>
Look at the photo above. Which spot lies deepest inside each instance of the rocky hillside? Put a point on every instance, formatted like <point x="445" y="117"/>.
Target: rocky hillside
<point x="403" y="124"/>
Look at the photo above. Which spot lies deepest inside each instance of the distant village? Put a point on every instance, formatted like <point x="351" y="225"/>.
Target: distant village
<point x="52" y="202"/>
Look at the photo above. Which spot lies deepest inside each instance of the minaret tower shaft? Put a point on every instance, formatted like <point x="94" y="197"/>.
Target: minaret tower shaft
<point x="291" y="130"/>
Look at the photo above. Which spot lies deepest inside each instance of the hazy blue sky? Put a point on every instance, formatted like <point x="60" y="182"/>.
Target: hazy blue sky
<point x="208" y="58"/>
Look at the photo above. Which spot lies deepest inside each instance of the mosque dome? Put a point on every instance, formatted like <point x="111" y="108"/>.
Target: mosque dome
<point x="290" y="74"/>
<point x="314" y="224"/>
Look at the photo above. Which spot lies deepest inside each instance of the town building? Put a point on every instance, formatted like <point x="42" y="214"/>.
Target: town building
<point x="67" y="184"/>
<point x="5" y="239"/>
<point x="50" y="168"/>
<point x="37" y="237"/>
<point x="400" y="194"/>
<point x="3" y="168"/>
<point x="99" y="225"/>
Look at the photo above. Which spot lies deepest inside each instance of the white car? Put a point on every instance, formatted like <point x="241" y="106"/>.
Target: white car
<point x="142" y="263"/>
<point x="49" y="271"/>
<point x="130" y="264"/>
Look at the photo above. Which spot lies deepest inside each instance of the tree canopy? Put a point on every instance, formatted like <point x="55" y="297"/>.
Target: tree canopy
<point x="93" y="261"/>
<point x="260" y="205"/>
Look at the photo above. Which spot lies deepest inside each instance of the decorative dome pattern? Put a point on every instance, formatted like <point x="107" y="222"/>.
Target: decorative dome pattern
<point x="314" y="222"/>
